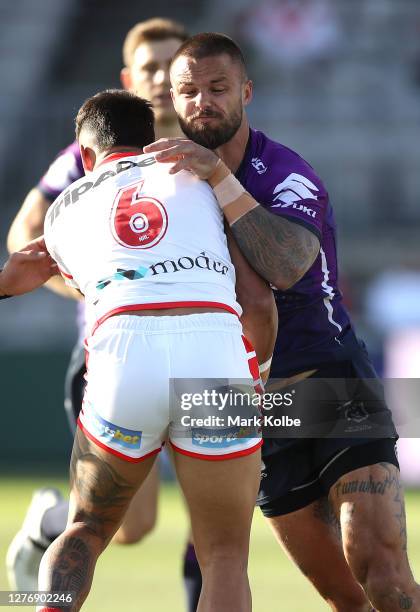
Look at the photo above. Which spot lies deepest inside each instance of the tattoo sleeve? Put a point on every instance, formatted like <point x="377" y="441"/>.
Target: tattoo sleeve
<point x="103" y="494"/>
<point x="101" y="498"/>
<point x="279" y="250"/>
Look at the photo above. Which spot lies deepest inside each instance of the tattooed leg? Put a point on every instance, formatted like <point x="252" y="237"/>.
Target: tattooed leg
<point x="312" y="539"/>
<point x="102" y="487"/>
<point x="370" y="504"/>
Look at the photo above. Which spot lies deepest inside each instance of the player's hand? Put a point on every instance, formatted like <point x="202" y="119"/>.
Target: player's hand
<point x="27" y="269"/>
<point x="185" y="154"/>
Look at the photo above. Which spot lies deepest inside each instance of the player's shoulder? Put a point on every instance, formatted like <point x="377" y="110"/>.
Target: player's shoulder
<point x="64" y="170"/>
<point x="69" y="158"/>
<point x="273" y="169"/>
<point x="279" y="161"/>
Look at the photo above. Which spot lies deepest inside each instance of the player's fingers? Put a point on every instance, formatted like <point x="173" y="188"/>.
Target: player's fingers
<point x="170" y="154"/>
<point x="38" y="244"/>
<point x="162" y="144"/>
<point x="26" y="256"/>
<point x="182" y="164"/>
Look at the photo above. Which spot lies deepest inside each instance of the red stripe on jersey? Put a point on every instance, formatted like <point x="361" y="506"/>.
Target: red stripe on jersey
<point x="160" y="306"/>
<point x="248" y="346"/>
<point x="234" y="455"/>
<point x="252" y="361"/>
<point x="114" y="452"/>
<point x="65" y="274"/>
<point x="114" y="156"/>
<point x="254" y="368"/>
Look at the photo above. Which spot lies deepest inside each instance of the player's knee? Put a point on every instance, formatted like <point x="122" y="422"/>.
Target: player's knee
<point x="93" y="527"/>
<point x="343" y="595"/>
<point x="225" y="557"/>
<point x="380" y="570"/>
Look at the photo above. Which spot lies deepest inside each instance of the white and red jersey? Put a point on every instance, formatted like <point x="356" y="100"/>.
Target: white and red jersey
<point x="130" y="236"/>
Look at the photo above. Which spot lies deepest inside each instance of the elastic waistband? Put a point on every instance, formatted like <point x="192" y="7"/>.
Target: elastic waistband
<point x="206" y="321"/>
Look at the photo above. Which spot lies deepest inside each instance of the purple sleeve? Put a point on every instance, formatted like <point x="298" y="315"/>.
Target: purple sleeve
<point x="65" y="169"/>
<point x="300" y="197"/>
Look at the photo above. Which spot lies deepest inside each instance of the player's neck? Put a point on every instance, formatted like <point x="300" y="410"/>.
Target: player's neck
<point x="232" y="153"/>
<point x="167" y="130"/>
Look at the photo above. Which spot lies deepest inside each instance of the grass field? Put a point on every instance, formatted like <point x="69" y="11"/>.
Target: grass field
<point x="146" y="577"/>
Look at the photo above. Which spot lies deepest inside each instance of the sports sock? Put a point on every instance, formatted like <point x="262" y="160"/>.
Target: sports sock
<point x="192" y="578"/>
<point x="54" y="520"/>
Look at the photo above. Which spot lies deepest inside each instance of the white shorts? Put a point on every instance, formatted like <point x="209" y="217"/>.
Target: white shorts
<point x="145" y="376"/>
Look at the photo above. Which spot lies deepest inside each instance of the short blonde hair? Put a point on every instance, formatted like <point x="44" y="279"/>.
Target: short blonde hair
<point x="154" y="29"/>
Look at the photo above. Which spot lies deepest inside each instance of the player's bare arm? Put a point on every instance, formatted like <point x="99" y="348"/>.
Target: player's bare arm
<point x="27" y="269"/>
<point x="29" y="225"/>
<point x="29" y="221"/>
<point x="279" y="250"/>
<point x="259" y="318"/>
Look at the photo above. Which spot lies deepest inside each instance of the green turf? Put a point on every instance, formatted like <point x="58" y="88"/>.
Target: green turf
<point x="147" y="577"/>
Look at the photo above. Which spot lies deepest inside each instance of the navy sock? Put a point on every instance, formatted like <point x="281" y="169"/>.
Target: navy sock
<point x="54" y="520"/>
<point x="192" y="578"/>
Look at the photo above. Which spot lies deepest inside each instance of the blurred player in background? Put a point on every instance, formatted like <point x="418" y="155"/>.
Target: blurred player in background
<point x="161" y="305"/>
<point x="335" y="503"/>
<point x="147" y="52"/>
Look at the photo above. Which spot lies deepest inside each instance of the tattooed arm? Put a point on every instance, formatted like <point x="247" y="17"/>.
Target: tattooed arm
<point x="279" y="250"/>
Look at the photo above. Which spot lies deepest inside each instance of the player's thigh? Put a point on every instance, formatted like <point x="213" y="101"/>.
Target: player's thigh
<point x="370" y="504"/>
<point x="306" y="533"/>
<point x="311" y="537"/>
<point x="102" y="485"/>
<point x="221" y="498"/>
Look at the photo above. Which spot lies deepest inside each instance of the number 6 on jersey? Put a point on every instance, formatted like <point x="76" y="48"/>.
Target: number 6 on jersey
<point x="137" y="222"/>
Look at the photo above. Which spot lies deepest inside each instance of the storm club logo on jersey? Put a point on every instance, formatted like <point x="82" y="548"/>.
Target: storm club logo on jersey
<point x="137" y="221"/>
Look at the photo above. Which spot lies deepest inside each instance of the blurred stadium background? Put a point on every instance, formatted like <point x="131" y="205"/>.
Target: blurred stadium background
<point x="339" y="81"/>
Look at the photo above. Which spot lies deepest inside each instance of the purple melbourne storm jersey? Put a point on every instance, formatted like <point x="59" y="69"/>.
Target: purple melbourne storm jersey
<point x="64" y="170"/>
<point x="314" y="327"/>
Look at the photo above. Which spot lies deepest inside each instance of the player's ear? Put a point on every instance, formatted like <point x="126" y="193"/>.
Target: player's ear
<point x="88" y="158"/>
<point x="125" y="78"/>
<point x="247" y="92"/>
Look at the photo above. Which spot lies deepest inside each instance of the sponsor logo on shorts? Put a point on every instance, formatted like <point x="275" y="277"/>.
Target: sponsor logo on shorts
<point x="109" y="433"/>
<point x="221" y="438"/>
<point x="355" y="411"/>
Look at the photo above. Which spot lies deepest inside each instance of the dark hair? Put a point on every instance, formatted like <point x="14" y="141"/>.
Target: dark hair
<point x="209" y="44"/>
<point x="151" y="30"/>
<point x="117" y="118"/>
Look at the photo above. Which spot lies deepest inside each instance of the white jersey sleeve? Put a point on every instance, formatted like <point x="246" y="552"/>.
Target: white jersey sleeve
<point x="131" y="236"/>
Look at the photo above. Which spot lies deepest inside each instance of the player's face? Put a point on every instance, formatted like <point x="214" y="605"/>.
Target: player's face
<point x="209" y="96"/>
<point x="148" y="75"/>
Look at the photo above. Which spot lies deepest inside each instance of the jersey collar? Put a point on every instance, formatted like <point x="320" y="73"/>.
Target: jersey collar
<point x="113" y="156"/>
<point x="240" y="173"/>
